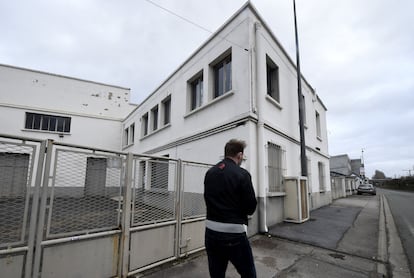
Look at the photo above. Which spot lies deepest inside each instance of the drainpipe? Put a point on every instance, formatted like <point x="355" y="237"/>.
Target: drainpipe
<point x="257" y="108"/>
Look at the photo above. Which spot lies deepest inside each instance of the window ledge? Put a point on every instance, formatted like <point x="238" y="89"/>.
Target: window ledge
<point x="275" y="194"/>
<point x="47" y="131"/>
<point x="274" y="102"/>
<point x="127" y="146"/>
<point x="213" y="101"/>
<point x="155" y="131"/>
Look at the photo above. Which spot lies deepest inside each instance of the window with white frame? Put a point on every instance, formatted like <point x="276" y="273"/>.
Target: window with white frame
<point x="275" y="167"/>
<point x="272" y="75"/>
<point x="166" y="109"/>
<point x="154" y="117"/>
<point x="129" y="135"/>
<point x="144" y="124"/>
<point x="196" y="91"/>
<point x="47" y="122"/>
<point x="321" y="175"/>
<point x="318" y="124"/>
<point x="222" y="76"/>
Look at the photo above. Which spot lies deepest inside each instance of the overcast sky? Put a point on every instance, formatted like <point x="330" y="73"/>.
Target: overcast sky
<point x="357" y="54"/>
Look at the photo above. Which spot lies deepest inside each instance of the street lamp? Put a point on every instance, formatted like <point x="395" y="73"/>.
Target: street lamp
<point x="303" y="160"/>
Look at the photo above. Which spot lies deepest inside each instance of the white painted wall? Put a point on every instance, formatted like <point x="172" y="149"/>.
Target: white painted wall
<point x="29" y="88"/>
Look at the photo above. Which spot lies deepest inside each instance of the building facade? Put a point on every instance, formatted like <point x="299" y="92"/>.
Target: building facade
<point x="239" y="84"/>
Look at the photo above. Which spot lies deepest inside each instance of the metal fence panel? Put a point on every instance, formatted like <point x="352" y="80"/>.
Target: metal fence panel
<point x="85" y="195"/>
<point x="155" y="191"/>
<point x="193" y="188"/>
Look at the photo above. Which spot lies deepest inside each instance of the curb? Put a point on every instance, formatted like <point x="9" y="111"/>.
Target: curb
<point x="396" y="257"/>
<point x="382" y="240"/>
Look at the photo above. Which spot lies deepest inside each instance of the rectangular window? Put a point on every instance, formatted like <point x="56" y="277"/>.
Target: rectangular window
<point x="272" y="74"/>
<point x="321" y="175"/>
<point x="129" y="134"/>
<point x="132" y="133"/>
<point x="126" y="135"/>
<point x="196" y="92"/>
<point x="222" y="77"/>
<point x="166" y="106"/>
<point x="318" y="124"/>
<point x="47" y="122"/>
<point x="275" y="168"/>
<point x="154" y="117"/>
<point x="144" y="124"/>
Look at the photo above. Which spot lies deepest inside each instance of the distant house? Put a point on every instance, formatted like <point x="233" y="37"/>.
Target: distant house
<point x="239" y="84"/>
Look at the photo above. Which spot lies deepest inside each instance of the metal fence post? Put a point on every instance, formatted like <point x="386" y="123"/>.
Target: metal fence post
<point x="126" y="218"/>
<point x="35" y="205"/>
<point x="179" y="207"/>
<point x="42" y="211"/>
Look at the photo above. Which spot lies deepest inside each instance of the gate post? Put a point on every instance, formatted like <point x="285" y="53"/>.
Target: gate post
<point x="35" y="205"/>
<point x="179" y="207"/>
<point x="42" y="211"/>
<point x="126" y="218"/>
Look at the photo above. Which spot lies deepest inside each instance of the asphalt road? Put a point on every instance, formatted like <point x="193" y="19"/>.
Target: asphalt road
<point x="401" y="204"/>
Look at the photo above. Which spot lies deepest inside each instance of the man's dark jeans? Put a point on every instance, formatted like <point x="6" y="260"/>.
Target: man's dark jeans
<point x="224" y="247"/>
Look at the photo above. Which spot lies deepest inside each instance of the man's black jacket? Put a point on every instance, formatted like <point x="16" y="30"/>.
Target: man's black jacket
<point x="229" y="193"/>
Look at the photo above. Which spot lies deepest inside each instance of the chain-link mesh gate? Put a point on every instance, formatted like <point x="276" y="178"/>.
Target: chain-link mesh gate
<point x="193" y="210"/>
<point x="20" y="170"/>
<point x="81" y="204"/>
<point x="65" y="210"/>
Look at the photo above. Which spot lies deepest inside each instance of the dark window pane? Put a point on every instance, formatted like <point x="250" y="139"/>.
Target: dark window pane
<point x="67" y="125"/>
<point x="52" y="124"/>
<point x="29" y="120"/>
<point x="228" y="76"/>
<point x="45" y="122"/>
<point x="60" y="124"/>
<point x="36" y="124"/>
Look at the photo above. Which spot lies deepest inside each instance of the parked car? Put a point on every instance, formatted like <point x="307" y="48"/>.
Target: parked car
<point x="366" y="188"/>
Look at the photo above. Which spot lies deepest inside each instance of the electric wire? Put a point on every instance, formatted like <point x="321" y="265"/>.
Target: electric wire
<point x="193" y="23"/>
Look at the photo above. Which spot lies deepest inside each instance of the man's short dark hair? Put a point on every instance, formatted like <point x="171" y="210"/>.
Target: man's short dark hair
<point x="233" y="147"/>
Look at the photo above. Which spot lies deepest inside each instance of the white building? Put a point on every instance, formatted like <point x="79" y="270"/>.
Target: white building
<point x="70" y="110"/>
<point x="239" y="84"/>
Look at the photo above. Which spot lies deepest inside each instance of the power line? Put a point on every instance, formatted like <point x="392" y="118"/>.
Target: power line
<point x="193" y="23"/>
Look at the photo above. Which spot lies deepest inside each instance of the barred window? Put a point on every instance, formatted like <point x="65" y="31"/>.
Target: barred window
<point x="321" y="174"/>
<point x="47" y="122"/>
<point x="275" y="168"/>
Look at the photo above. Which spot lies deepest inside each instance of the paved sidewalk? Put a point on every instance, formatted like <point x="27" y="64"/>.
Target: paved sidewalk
<point x="340" y="240"/>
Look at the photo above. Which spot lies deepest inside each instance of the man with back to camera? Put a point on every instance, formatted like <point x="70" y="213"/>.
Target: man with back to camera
<point x="230" y="198"/>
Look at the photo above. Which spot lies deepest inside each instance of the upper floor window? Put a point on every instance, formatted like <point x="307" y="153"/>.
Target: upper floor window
<point x="47" y="122"/>
<point x="318" y="124"/>
<point x="154" y="116"/>
<point x="272" y="75"/>
<point x="222" y="76"/>
<point x="166" y="107"/>
<point x="304" y="109"/>
<point x="144" y="124"/>
<point x="196" y="91"/>
<point x="129" y="135"/>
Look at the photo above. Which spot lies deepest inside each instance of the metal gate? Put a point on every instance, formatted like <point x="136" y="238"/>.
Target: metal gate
<point x="73" y="211"/>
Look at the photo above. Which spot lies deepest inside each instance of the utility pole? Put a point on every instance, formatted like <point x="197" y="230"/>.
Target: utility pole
<point x="303" y="160"/>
